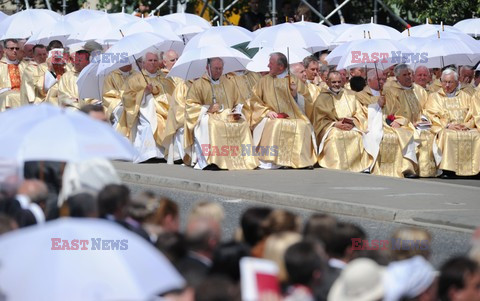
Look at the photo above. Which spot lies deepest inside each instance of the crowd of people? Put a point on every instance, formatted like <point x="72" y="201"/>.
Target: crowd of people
<point x="321" y="258"/>
<point x="396" y="122"/>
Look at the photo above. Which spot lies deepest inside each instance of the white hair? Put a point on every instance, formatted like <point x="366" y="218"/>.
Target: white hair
<point x="449" y="71"/>
<point x="144" y="57"/>
<point x="399" y="68"/>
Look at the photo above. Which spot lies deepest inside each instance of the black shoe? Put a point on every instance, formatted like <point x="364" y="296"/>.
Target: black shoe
<point x="177" y="162"/>
<point x="212" y="167"/>
<point x="447" y="174"/>
<point x="410" y="176"/>
<point x="310" y="167"/>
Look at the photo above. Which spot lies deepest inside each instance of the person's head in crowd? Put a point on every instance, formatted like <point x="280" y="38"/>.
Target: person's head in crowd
<point x="320" y="227"/>
<point x="203" y="234"/>
<point x="449" y="80"/>
<point x="389" y="71"/>
<point x="113" y="201"/>
<point x="12" y="49"/>
<point x="151" y="62"/>
<point x="251" y="222"/>
<point x="35" y="190"/>
<point x="335" y="81"/>
<point x="376" y="79"/>
<point x="162" y="215"/>
<point x="54" y="44"/>
<point x="403" y="74"/>
<point x="39" y="54"/>
<point x="341" y="246"/>
<point x="407" y="242"/>
<point x="422" y="76"/>
<point x="311" y="67"/>
<point x="476" y="79"/>
<point x="303" y="13"/>
<point x="81" y="59"/>
<point x="275" y="247"/>
<point x="323" y="71"/>
<point x="226" y="260"/>
<point x="466" y="74"/>
<point x="215" y="67"/>
<point x="169" y="58"/>
<point x="357" y="83"/>
<point x="216" y="288"/>
<point x="1" y="51"/>
<point x="28" y="52"/>
<point x="361" y="280"/>
<point x="305" y="263"/>
<point x="381" y="257"/>
<point x="280" y="220"/>
<point x="7" y="224"/>
<point x="254" y="6"/>
<point x="437" y="72"/>
<point x="95" y="111"/>
<point x="412" y="279"/>
<point x="358" y="71"/>
<point x="298" y="70"/>
<point x="459" y="280"/>
<point x="277" y="64"/>
<point x="143" y="206"/>
<point x="206" y="209"/>
<point x="322" y="59"/>
<point x="82" y="205"/>
<point x="343" y="74"/>
<point x="172" y="245"/>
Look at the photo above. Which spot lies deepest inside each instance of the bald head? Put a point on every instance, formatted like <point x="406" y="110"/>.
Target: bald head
<point x="422" y="76"/>
<point x="376" y="79"/>
<point x="298" y="69"/>
<point x="169" y="59"/>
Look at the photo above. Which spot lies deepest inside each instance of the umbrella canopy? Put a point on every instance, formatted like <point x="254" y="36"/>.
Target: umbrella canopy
<point x="323" y="31"/>
<point x="24" y="23"/>
<point x="122" y="53"/>
<point x="260" y="61"/>
<point x="221" y="35"/>
<point x="112" y="263"/>
<point x="340" y="28"/>
<point x="83" y="16"/>
<point x="151" y="24"/>
<point x="469" y="26"/>
<point x="189" y="23"/>
<point x="45" y="132"/>
<point x="192" y="64"/>
<point x="3" y="16"/>
<point x="288" y="35"/>
<point x="372" y="53"/>
<point x="97" y="28"/>
<point x="370" y="30"/>
<point x="59" y="30"/>
<point x="427" y="29"/>
<point x="90" y="85"/>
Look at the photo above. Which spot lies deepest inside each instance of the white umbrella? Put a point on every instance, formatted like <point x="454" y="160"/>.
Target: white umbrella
<point x="288" y="35"/>
<point x="45" y="132"/>
<point x="370" y="30"/>
<point x="469" y="26"/>
<point x="116" y="263"/>
<point x="189" y="23"/>
<point x="60" y="30"/>
<point x="97" y="28"/>
<point x="90" y="85"/>
<point x="23" y="24"/>
<point x="192" y="64"/>
<point x="83" y="16"/>
<point x="152" y="24"/>
<point x="3" y="16"/>
<point x="427" y="29"/>
<point x="372" y="53"/>
<point x="121" y="54"/>
<point x="220" y="35"/>
<point x="323" y="31"/>
<point x="261" y="59"/>
<point x="340" y="28"/>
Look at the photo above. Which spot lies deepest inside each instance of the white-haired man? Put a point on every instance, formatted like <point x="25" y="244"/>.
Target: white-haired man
<point x="465" y="78"/>
<point x="146" y="98"/>
<point x="279" y="124"/>
<point x="216" y="126"/>
<point x="454" y="116"/>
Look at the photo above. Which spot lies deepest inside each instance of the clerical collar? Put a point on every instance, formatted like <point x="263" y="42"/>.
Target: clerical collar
<point x="125" y="73"/>
<point x="239" y="73"/>
<point x="375" y="92"/>
<point x="336" y="93"/>
<point x="282" y="75"/>
<point x="11" y="62"/>
<point x="405" y="88"/>
<point x="453" y="94"/>
<point x="215" y="82"/>
<point x="151" y="74"/>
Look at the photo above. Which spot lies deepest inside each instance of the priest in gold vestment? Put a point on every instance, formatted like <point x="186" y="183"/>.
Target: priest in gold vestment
<point x="215" y="123"/>
<point x="11" y="70"/>
<point x="145" y="108"/>
<point x="454" y="116"/>
<point x="67" y="86"/>
<point x="31" y="89"/>
<point x="279" y="124"/>
<point x="113" y="87"/>
<point x="339" y="125"/>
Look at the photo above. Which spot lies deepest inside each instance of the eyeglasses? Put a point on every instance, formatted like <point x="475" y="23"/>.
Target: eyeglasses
<point x="13" y="48"/>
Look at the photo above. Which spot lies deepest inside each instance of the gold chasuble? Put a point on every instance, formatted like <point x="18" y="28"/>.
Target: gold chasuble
<point x="68" y="91"/>
<point x="31" y="90"/>
<point x="172" y="139"/>
<point x="10" y="82"/>
<point x="287" y="141"/>
<point x="216" y="137"/>
<point x="457" y="151"/>
<point x="113" y="88"/>
<point x="340" y="149"/>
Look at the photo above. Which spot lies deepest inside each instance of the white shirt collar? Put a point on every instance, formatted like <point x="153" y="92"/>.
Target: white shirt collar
<point x="375" y="92"/>
<point x="11" y="62"/>
<point x="282" y="75"/>
<point x="151" y="74"/>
